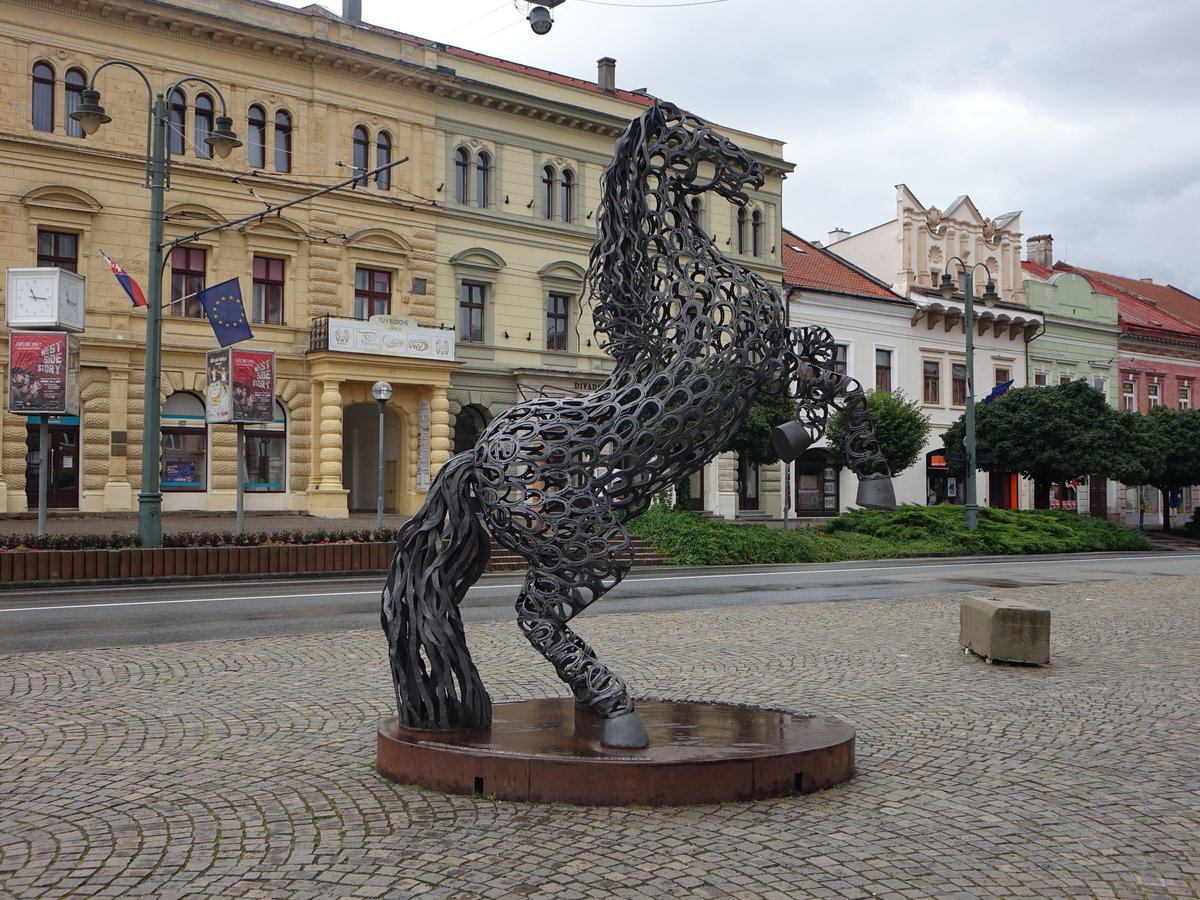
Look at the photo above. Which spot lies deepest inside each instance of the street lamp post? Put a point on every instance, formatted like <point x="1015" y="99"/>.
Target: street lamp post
<point x="90" y="115"/>
<point x="381" y="391"/>
<point x="947" y="288"/>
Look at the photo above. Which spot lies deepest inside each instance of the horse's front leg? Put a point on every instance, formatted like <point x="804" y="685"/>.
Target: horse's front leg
<point x="816" y="388"/>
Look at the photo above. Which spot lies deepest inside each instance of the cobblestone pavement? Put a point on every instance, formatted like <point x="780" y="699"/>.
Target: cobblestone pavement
<point x="245" y="768"/>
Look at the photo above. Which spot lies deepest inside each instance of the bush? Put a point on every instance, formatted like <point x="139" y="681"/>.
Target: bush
<point x="876" y="534"/>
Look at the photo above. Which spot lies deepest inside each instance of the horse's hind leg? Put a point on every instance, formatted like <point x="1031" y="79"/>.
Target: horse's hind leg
<point x="551" y="596"/>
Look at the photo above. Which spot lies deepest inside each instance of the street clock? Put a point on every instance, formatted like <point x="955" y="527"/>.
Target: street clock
<point x="45" y="298"/>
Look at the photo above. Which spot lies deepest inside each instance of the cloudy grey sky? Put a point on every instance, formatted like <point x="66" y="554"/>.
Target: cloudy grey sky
<point x="1083" y="114"/>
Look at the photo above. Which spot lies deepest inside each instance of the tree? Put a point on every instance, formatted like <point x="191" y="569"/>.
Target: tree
<point x="901" y="428"/>
<point x="753" y="439"/>
<point x="1165" y="446"/>
<point x="1049" y="434"/>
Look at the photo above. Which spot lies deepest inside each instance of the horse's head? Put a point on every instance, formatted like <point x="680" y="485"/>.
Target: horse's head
<point x="694" y="158"/>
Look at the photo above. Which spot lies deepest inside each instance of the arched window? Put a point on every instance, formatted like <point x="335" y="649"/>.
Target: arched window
<point x="204" y="126"/>
<point x="283" y="141"/>
<point x="383" y="156"/>
<point x="468" y="425"/>
<point x="462" y="168"/>
<point x="76" y="81"/>
<point x="184" y="443"/>
<point x="176" y="122"/>
<point x="43" y="97"/>
<point x="567" y="194"/>
<point x="362" y="148"/>
<point x="266" y="454"/>
<point x="756" y="233"/>
<point x="548" y="180"/>
<point x="483" y="178"/>
<point x="741" y="230"/>
<point x="697" y="209"/>
<point x="256" y="137"/>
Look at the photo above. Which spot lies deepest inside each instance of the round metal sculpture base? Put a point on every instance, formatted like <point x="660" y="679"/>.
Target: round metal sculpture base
<point x="549" y="751"/>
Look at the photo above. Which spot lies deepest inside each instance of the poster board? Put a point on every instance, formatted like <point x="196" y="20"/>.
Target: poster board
<point x="43" y="373"/>
<point x="240" y="386"/>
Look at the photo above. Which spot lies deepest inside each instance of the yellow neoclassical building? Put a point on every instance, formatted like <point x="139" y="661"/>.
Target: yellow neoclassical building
<point x="455" y="276"/>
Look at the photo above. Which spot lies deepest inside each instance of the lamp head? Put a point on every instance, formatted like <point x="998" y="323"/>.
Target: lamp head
<point x="989" y="293"/>
<point x="381" y="391"/>
<point x="222" y="139"/>
<point x="89" y="113"/>
<point x="947" y="287"/>
<point x="540" y="20"/>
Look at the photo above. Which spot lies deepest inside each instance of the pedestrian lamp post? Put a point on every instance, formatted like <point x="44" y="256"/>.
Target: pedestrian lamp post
<point x="90" y="115"/>
<point x="381" y="391"/>
<point x="948" y="289"/>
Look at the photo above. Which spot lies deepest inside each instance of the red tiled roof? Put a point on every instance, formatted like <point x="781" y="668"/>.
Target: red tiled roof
<point x="1133" y="312"/>
<point x="1179" y="304"/>
<point x="806" y="265"/>
<point x="1034" y="269"/>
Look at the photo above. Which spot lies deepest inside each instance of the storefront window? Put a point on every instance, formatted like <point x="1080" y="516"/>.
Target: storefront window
<point x="266" y="454"/>
<point x="816" y="485"/>
<point x="184" y="444"/>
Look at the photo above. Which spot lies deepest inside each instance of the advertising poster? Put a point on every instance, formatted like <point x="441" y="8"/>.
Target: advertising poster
<point x="253" y="385"/>
<point x="218" y="395"/>
<point x="240" y="386"/>
<point x="39" y="373"/>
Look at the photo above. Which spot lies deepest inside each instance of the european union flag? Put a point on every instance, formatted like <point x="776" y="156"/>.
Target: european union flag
<point x="998" y="391"/>
<point x="223" y="305"/>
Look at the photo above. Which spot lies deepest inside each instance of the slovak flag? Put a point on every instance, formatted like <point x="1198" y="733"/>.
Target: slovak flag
<point x="127" y="282"/>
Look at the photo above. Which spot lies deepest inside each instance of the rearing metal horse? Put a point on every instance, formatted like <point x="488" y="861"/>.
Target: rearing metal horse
<point x="695" y="337"/>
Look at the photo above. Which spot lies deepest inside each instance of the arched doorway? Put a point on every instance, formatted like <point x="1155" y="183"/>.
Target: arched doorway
<point x="360" y="457"/>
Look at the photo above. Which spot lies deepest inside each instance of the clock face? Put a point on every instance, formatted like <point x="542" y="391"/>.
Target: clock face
<point x="33" y="296"/>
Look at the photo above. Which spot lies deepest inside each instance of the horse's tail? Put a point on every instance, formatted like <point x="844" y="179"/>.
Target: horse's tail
<point x="440" y="553"/>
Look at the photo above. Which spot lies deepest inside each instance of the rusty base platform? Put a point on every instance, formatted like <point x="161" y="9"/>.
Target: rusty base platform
<point x="549" y="751"/>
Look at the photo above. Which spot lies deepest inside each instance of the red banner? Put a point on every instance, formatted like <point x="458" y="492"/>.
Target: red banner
<point x="37" y="373"/>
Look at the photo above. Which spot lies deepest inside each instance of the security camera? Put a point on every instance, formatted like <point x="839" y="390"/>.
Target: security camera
<point x="540" y="20"/>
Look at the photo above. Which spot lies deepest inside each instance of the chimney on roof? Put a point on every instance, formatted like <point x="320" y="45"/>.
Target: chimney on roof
<point x="352" y="11"/>
<point x="1148" y="280"/>
<point x="837" y="234"/>
<point x="606" y="73"/>
<point x="1039" y="249"/>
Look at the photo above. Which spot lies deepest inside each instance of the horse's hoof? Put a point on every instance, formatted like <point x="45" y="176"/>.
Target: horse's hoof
<point x="876" y="493"/>
<point x="625" y="730"/>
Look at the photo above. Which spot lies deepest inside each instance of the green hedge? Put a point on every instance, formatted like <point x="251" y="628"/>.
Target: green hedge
<point x="872" y="534"/>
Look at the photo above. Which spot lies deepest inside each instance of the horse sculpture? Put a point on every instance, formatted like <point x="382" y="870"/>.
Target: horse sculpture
<point x="695" y="337"/>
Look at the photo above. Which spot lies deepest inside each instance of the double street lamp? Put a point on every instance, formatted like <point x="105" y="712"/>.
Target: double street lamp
<point x="90" y="115"/>
<point x="948" y="289"/>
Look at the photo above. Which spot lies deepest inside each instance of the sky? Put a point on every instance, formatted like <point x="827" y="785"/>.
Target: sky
<point x="1084" y="115"/>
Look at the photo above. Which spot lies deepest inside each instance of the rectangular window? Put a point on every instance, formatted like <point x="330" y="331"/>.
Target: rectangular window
<point x="1100" y="383"/>
<point x="183" y="467"/>
<point x="268" y="291"/>
<point x="1185" y="396"/>
<point x="1002" y="375"/>
<point x="1128" y="396"/>
<point x="840" y="352"/>
<point x="264" y="461"/>
<point x="58" y="248"/>
<point x="470" y="312"/>
<point x="933" y="381"/>
<point x="883" y="371"/>
<point x="556" y="321"/>
<point x="1066" y="378"/>
<point x="958" y="384"/>
<point x="187" y="278"/>
<point x="1039" y="379"/>
<point x="1152" y="397"/>
<point x="372" y="293"/>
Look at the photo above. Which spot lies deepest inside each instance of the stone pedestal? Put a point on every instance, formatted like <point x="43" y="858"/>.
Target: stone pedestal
<point x="1005" y="630"/>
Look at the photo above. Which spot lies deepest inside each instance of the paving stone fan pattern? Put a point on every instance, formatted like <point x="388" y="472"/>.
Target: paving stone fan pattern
<point x="246" y="768"/>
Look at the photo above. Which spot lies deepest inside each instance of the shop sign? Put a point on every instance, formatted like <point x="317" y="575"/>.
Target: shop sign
<point x="390" y="336"/>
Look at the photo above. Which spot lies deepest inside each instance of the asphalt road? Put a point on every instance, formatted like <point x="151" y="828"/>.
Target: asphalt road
<point x="79" y="618"/>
